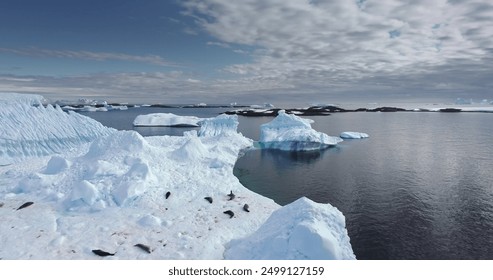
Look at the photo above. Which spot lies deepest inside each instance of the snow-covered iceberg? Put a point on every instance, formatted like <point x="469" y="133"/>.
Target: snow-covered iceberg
<point x="222" y="124"/>
<point x="300" y="230"/>
<point x="123" y="189"/>
<point x="292" y="133"/>
<point x="166" y="119"/>
<point x="28" y="130"/>
<point x="353" y="135"/>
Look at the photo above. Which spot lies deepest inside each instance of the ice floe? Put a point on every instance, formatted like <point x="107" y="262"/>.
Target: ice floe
<point x="353" y="135"/>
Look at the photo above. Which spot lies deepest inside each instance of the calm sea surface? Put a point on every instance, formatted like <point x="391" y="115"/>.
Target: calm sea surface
<point x="421" y="187"/>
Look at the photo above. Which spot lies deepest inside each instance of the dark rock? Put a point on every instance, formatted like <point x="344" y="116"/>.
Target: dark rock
<point x="450" y="110"/>
<point x="387" y="109"/>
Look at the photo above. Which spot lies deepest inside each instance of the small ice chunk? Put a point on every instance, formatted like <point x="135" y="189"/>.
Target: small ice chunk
<point x="85" y="191"/>
<point x="56" y="165"/>
<point x="149" y="221"/>
<point x="353" y="135"/>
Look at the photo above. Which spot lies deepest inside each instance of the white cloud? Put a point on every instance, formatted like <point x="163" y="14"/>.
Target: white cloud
<point x="219" y="44"/>
<point x="169" y="87"/>
<point x="88" y="55"/>
<point x="327" y="43"/>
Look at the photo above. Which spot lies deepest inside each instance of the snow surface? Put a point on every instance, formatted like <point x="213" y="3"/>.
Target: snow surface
<point x="110" y="194"/>
<point x="166" y="119"/>
<point x="353" y="135"/>
<point x="293" y="133"/>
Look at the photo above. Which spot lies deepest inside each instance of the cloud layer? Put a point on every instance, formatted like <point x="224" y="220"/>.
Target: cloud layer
<point x="88" y="55"/>
<point x="329" y="43"/>
<point x="306" y="50"/>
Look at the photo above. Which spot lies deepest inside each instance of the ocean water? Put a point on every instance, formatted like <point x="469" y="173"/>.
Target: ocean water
<point x="421" y="187"/>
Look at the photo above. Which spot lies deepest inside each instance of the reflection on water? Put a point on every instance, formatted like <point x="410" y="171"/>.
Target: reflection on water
<point x="418" y="188"/>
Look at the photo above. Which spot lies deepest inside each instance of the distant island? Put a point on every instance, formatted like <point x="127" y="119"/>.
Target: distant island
<point x="327" y="110"/>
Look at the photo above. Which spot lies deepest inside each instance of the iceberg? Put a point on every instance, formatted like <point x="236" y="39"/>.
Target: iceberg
<point x="292" y="133"/>
<point x="166" y="119"/>
<point x="222" y="124"/>
<point x="302" y="230"/>
<point x="122" y="189"/>
<point x="28" y="130"/>
<point x="353" y="135"/>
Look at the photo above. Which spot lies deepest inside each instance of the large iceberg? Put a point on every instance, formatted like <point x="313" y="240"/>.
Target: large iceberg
<point x="27" y="128"/>
<point x="123" y="189"/>
<point x="300" y="230"/>
<point x="166" y="119"/>
<point x="292" y="133"/>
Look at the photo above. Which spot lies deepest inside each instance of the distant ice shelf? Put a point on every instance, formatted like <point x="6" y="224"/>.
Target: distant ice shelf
<point x="166" y="119"/>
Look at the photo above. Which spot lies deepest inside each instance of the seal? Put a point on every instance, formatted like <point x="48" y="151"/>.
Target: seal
<point x="102" y="253"/>
<point x="230" y="213"/>
<point x="167" y="194"/>
<point x="246" y="208"/>
<point x="208" y="198"/>
<point x="231" y="195"/>
<point x="27" y="204"/>
<point x="144" y="247"/>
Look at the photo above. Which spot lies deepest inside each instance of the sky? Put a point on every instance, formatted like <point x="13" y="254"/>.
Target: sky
<point x="249" y="51"/>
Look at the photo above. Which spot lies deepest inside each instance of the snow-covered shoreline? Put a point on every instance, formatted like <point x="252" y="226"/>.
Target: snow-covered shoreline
<point x="122" y="189"/>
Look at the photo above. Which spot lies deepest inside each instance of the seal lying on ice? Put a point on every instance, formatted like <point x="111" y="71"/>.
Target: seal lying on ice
<point x="102" y="253"/>
<point x="246" y="208"/>
<point x="230" y="213"/>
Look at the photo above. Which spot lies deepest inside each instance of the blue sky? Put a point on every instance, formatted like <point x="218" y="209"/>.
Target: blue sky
<point x="279" y="51"/>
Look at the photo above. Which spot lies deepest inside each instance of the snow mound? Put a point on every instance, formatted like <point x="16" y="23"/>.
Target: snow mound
<point x="56" y="165"/>
<point x="353" y="135"/>
<point x="191" y="150"/>
<point x="127" y="142"/>
<point x="86" y="192"/>
<point x="166" y="119"/>
<point x="300" y="230"/>
<point x="222" y="124"/>
<point x="292" y="133"/>
<point x="38" y="131"/>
